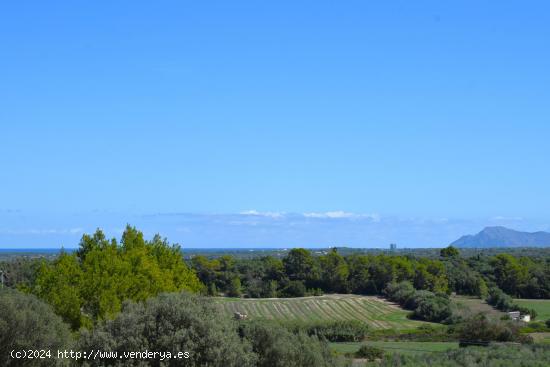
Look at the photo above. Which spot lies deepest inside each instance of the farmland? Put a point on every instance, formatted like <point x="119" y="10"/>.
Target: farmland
<point x="375" y="311"/>
<point x="477" y="305"/>
<point x="542" y="306"/>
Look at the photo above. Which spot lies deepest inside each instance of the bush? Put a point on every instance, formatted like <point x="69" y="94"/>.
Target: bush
<point x="481" y="329"/>
<point x="548" y="323"/>
<point x="503" y="302"/>
<point x="425" y="305"/>
<point x="295" y="288"/>
<point x="369" y="352"/>
<point x="333" y="331"/>
<point x="174" y="322"/>
<point x="28" y="323"/>
<point x="276" y="346"/>
<point x="493" y="356"/>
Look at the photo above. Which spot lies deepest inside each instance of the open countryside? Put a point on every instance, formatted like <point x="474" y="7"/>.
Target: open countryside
<point x="375" y="311"/>
<point x="542" y="306"/>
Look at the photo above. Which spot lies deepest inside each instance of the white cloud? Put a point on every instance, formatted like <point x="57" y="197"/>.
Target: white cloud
<point x="339" y="214"/>
<point x="263" y="214"/>
<point x="501" y="218"/>
<point x="42" y="231"/>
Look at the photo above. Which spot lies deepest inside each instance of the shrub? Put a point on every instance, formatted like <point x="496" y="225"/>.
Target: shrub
<point x="276" y="346"/>
<point x="548" y="323"/>
<point x="425" y="305"/>
<point x="295" y="288"/>
<point x="172" y="322"/>
<point x="333" y="331"/>
<point x="481" y="329"/>
<point x="28" y="323"/>
<point x="493" y="356"/>
<point x="503" y="302"/>
<point x="369" y="352"/>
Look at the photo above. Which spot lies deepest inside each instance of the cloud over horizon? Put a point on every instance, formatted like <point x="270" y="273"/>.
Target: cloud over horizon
<point x="251" y="228"/>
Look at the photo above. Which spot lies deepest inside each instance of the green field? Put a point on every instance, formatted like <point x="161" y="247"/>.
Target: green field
<point x="542" y="306"/>
<point x="541" y="338"/>
<point x="375" y="311"/>
<point x="397" y="347"/>
<point x="477" y="305"/>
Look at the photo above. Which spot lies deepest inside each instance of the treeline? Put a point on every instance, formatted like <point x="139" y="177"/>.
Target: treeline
<point x="300" y="273"/>
<point x="521" y="277"/>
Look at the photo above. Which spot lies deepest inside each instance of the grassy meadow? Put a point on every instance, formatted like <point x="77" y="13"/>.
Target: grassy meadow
<point x="542" y="306"/>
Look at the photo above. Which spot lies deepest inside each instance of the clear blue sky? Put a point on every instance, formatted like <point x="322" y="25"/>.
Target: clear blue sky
<point x="399" y="109"/>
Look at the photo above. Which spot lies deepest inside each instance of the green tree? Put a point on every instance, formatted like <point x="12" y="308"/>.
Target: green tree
<point x="335" y="272"/>
<point x="59" y="285"/>
<point x="235" y="288"/>
<point x="450" y="251"/>
<point x="93" y="283"/>
<point x="300" y="265"/>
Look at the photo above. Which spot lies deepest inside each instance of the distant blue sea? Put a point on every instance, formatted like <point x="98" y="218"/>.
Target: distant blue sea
<point x="228" y="249"/>
<point x="39" y="250"/>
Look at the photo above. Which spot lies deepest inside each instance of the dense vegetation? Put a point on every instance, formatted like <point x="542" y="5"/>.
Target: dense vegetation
<point x="501" y="301"/>
<point x="333" y="331"/>
<point x="498" y="355"/>
<point x="92" y="283"/>
<point x="137" y="294"/>
<point x="425" y="305"/>
<point x="27" y="323"/>
<point x="301" y="273"/>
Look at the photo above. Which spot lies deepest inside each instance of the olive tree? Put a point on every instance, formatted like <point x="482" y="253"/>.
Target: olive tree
<point x="27" y="323"/>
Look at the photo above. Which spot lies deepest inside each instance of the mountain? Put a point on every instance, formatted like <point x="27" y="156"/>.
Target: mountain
<point x="503" y="237"/>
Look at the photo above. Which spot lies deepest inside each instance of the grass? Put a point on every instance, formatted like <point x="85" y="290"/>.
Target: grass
<point x="541" y="338"/>
<point x="477" y="305"/>
<point x="397" y="347"/>
<point x="542" y="306"/>
<point x="375" y="311"/>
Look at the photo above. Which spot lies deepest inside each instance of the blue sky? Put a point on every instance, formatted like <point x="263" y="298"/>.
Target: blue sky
<point x="200" y="115"/>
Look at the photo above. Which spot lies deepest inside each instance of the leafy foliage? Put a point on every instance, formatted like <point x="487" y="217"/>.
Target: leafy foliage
<point x="494" y="356"/>
<point x="92" y="284"/>
<point x="480" y="328"/>
<point x="369" y="352"/>
<point x="27" y="323"/>
<point x="176" y="322"/>
<point x="504" y="302"/>
<point x="332" y="331"/>
<point x="425" y="305"/>
<point x="278" y="347"/>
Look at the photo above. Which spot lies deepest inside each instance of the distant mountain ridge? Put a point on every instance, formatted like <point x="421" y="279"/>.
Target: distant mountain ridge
<point x="503" y="237"/>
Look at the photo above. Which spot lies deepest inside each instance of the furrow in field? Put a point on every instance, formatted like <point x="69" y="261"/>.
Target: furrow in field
<point x="323" y="315"/>
<point x="358" y="314"/>
<point x="266" y="311"/>
<point x="297" y="310"/>
<point x="338" y="310"/>
<point x="365" y="308"/>
<point x="302" y="309"/>
<point x="365" y="312"/>
<point x="283" y="311"/>
<point x="318" y="311"/>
